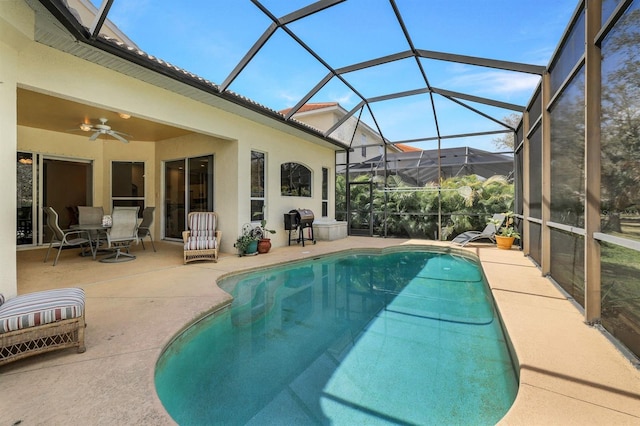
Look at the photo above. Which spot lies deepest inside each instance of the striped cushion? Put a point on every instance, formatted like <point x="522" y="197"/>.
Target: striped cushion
<point x="200" y="243"/>
<point x="43" y="307"/>
<point x="202" y="224"/>
<point x="1" y="299"/>
<point x="202" y="235"/>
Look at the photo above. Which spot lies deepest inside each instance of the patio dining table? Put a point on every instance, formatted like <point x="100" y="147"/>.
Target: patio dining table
<point x="95" y="231"/>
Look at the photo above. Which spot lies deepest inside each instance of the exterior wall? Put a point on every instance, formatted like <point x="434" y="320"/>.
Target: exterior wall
<point x="324" y="119"/>
<point x="321" y="119"/>
<point x="281" y="149"/>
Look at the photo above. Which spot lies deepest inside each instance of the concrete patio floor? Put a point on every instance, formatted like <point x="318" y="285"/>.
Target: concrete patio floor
<point x="569" y="372"/>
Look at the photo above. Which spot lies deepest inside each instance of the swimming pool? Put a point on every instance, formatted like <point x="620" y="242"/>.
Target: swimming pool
<point x="402" y="336"/>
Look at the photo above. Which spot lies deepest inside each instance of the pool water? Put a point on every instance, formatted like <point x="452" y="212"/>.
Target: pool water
<point x="401" y="337"/>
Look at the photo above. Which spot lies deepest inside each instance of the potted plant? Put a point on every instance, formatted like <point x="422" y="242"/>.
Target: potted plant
<point x="507" y="233"/>
<point x="247" y="242"/>
<point x="264" y="243"/>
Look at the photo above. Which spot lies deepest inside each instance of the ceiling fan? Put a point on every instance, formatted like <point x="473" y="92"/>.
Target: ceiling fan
<point x="102" y="129"/>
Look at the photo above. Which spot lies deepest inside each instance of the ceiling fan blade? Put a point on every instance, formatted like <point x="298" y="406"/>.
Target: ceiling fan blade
<point x="94" y="136"/>
<point x="117" y="136"/>
<point x="120" y="133"/>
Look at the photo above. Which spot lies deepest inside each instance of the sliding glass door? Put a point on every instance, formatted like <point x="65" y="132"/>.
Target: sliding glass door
<point x="188" y="187"/>
<point x="42" y="181"/>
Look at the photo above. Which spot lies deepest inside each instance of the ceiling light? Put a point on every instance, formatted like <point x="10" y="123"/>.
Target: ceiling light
<point x="124" y="116"/>
<point x="85" y="127"/>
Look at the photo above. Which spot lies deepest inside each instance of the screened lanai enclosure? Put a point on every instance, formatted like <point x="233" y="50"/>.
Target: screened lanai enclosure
<point x="443" y="127"/>
<point x="432" y="194"/>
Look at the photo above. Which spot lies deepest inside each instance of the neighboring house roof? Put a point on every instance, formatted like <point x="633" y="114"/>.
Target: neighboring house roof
<point x="85" y="12"/>
<point x="406" y="148"/>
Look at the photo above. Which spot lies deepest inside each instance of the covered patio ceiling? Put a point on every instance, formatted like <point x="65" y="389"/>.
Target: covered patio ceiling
<point x="53" y="113"/>
<point x="389" y="68"/>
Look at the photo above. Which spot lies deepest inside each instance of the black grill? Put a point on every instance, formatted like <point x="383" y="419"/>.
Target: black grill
<point x="296" y="221"/>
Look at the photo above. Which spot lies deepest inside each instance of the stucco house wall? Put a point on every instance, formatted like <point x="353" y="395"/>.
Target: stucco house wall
<point x="229" y="137"/>
<point x="324" y="118"/>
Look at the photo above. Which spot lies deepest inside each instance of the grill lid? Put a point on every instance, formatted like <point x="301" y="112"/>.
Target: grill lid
<point x="304" y="215"/>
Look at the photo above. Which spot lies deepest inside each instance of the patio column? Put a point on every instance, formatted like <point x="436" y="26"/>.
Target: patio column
<point x="8" y="149"/>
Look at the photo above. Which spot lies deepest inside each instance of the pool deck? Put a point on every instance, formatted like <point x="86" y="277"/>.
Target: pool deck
<point x="570" y="372"/>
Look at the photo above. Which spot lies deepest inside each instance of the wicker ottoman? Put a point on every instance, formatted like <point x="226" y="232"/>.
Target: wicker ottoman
<point x="39" y="322"/>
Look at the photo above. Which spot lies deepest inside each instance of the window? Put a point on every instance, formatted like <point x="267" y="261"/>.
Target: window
<point x="295" y="180"/>
<point x="257" y="185"/>
<point x="325" y="192"/>
<point x="363" y="142"/>
<point x="127" y="184"/>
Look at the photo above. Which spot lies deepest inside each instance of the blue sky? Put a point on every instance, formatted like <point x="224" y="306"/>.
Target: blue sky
<point x="209" y="38"/>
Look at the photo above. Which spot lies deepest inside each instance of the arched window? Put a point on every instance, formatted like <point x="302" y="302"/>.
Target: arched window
<point x="295" y="180"/>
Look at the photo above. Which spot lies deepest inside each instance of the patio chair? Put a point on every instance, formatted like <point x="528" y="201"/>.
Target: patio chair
<point x="123" y="233"/>
<point x="488" y="233"/>
<point x="202" y="240"/>
<point x="144" y="230"/>
<point x="66" y="238"/>
<point x="88" y="215"/>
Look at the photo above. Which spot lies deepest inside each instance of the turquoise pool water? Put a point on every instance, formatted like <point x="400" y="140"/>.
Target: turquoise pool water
<point x="405" y="337"/>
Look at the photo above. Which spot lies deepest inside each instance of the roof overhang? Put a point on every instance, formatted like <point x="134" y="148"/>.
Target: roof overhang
<point x="75" y="39"/>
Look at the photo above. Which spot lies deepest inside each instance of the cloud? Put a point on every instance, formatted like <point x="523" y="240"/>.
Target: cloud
<point x="493" y="82"/>
<point x="541" y="55"/>
<point x="127" y="15"/>
<point x="290" y="98"/>
<point x="343" y="99"/>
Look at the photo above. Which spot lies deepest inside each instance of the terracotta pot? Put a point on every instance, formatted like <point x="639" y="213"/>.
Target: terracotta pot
<point x="504" y="243"/>
<point x="264" y="245"/>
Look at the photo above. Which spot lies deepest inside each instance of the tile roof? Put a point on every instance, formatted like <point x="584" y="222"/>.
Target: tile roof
<point x="406" y="148"/>
<point x="311" y="107"/>
<point x="205" y="85"/>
